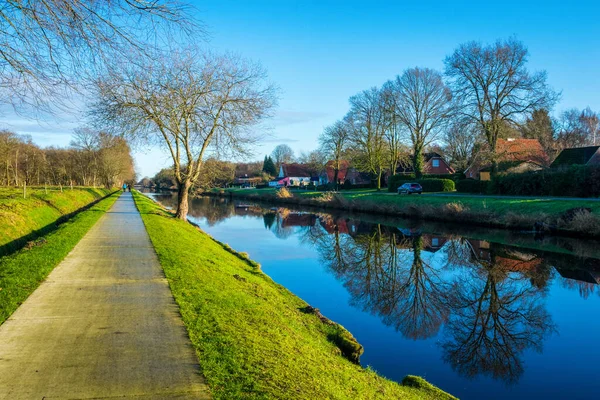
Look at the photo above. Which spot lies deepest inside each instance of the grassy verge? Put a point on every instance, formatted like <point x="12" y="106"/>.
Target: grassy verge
<point x="23" y="271"/>
<point x="255" y="339"/>
<point x="550" y="215"/>
<point x="22" y="220"/>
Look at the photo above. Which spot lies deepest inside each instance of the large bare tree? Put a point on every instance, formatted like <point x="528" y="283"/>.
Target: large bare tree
<point x="366" y="122"/>
<point x="334" y="144"/>
<point x="47" y="46"/>
<point x="423" y="106"/>
<point x="494" y="86"/>
<point x="192" y="104"/>
<point x="282" y="154"/>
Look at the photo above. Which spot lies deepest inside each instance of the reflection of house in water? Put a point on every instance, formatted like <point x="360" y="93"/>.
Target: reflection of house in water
<point x="586" y="269"/>
<point x="347" y="226"/>
<point x="298" y="219"/>
<point x="433" y="242"/>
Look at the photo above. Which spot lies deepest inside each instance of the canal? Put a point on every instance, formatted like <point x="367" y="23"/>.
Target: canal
<point x="478" y="312"/>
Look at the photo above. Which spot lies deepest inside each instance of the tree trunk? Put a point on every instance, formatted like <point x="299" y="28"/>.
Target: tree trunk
<point x="335" y="178"/>
<point x="418" y="162"/>
<point x="182" y="200"/>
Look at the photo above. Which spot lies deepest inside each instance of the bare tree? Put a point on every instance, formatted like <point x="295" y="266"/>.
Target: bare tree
<point x="314" y="161"/>
<point x="282" y="154"/>
<point x="366" y="123"/>
<point x="422" y="103"/>
<point x="591" y="121"/>
<point x="396" y="149"/>
<point x="463" y="141"/>
<point x="48" y="46"/>
<point x="494" y="87"/>
<point x="192" y="104"/>
<point x="571" y="130"/>
<point x="334" y="141"/>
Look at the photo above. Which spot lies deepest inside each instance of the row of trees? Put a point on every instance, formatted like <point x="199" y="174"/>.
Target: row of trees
<point x="485" y="93"/>
<point x="93" y="159"/>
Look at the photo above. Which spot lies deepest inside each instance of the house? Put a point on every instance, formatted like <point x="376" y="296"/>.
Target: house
<point x="434" y="164"/>
<point x="512" y="156"/>
<point x="345" y="173"/>
<point x="292" y="175"/>
<point x="328" y="174"/>
<point x="577" y="156"/>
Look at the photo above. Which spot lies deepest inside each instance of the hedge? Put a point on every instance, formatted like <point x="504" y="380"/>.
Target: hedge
<point x="472" y="186"/>
<point x="428" y="184"/>
<point x="575" y="181"/>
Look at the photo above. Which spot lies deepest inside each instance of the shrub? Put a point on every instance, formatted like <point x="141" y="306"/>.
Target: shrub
<point x="284" y="193"/>
<point x="428" y="184"/>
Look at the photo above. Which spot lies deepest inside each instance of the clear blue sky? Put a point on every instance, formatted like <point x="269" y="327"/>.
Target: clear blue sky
<point x="321" y="52"/>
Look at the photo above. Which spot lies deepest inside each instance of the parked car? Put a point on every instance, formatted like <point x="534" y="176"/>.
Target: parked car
<point x="410" y="188"/>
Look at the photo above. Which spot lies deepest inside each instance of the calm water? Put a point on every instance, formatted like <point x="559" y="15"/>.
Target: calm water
<point x="479" y="313"/>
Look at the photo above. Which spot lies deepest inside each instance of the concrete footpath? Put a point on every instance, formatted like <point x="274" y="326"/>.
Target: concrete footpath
<point x="104" y="324"/>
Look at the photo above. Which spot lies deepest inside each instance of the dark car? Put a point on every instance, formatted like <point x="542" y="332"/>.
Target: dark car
<point x="410" y="188"/>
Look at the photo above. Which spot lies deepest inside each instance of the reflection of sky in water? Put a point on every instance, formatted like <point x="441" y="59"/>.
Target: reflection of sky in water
<point x="297" y="257"/>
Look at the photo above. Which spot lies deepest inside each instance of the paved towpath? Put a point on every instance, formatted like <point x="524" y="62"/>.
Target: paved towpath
<point x="104" y="324"/>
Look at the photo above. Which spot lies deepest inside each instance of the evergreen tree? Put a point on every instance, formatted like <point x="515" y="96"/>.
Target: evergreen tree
<point x="269" y="166"/>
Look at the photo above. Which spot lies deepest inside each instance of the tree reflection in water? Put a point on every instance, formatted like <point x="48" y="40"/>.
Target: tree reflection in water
<point x="497" y="313"/>
<point x="490" y="299"/>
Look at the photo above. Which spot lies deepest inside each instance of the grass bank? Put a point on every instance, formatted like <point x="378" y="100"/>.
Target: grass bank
<point x="23" y="220"/>
<point x="254" y="338"/>
<point x="567" y="217"/>
<point x="22" y="272"/>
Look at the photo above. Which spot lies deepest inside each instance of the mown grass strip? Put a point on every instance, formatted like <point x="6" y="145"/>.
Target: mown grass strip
<point x="24" y="219"/>
<point x="254" y="338"/>
<point x="22" y="272"/>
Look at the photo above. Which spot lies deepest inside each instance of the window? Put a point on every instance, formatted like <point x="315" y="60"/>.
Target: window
<point x="436" y="163"/>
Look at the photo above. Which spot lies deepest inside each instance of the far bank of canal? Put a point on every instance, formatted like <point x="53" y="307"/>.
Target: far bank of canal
<point x="479" y="313"/>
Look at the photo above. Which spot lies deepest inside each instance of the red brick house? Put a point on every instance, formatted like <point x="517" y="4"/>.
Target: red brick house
<point x="512" y="156"/>
<point x="434" y="164"/>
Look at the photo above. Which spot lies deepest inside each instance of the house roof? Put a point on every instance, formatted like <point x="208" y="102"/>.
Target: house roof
<point x="512" y="151"/>
<point x="575" y="156"/>
<point x="520" y="150"/>
<point x="296" y="170"/>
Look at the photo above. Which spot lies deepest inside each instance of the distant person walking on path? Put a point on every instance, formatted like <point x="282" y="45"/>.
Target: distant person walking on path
<point x="124" y="187"/>
<point x="129" y="187"/>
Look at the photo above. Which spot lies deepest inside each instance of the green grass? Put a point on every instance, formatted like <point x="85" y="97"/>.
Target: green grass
<point x="23" y="271"/>
<point x="515" y="213"/>
<point x="251" y="336"/>
<point x="496" y="204"/>
<point x="21" y="219"/>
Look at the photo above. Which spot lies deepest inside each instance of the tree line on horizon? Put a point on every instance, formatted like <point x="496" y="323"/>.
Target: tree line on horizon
<point x="93" y="159"/>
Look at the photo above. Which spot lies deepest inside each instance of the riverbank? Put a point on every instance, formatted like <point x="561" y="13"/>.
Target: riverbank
<point x="253" y="337"/>
<point x="26" y="219"/>
<point x="578" y="218"/>
<point x="23" y="270"/>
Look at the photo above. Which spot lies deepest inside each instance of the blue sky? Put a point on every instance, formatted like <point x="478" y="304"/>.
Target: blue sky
<point x="321" y="52"/>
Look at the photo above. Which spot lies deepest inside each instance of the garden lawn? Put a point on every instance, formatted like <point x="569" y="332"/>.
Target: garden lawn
<point x="255" y="339"/>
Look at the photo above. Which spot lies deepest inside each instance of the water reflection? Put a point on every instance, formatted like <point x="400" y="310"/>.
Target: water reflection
<point x="484" y="302"/>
